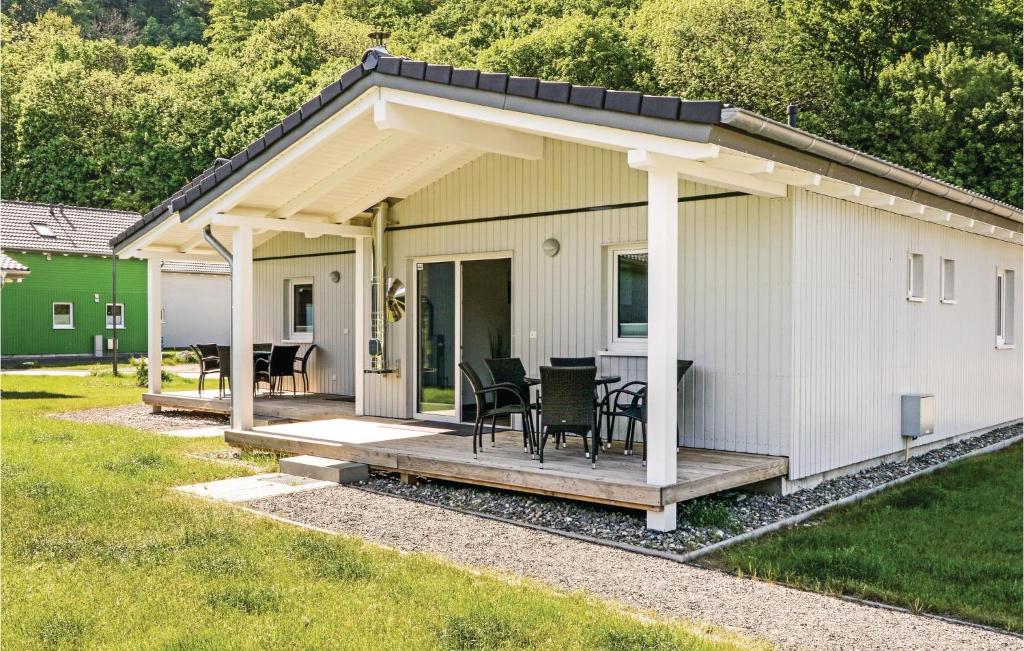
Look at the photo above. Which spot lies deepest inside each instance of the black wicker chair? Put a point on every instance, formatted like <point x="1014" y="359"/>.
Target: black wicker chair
<point x="208" y="362"/>
<point x="510" y="370"/>
<point x="262" y="348"/>
<point x="598" y="400"/>
<point x="274" y="369"/>
<point x="302" y="367"/>
<point x="224" y="363"/>
<point x="574" y="361"/>
<point x="569" y="406"/>
<point x="488" y="406"/>
<point x="630" y="402"/>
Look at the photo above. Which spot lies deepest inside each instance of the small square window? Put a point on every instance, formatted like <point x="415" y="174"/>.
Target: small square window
<point x="43" y="230"/>
<point x="947" y="281"/>
<point x="915" y="277"/>
<point x="627" y="310"/>
<point x="63" y="316"/>
<point x="116" y="313"/>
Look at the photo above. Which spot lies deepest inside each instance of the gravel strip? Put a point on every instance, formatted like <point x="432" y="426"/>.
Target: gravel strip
<point x="141" y="416"/>
<point x="789" y="618"/>
<point x="701" y="522"/>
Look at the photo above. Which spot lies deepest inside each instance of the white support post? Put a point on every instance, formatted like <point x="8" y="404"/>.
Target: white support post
<point x="154" y="349"/>
<point x="241" y="328"/>
<point x="360" y="320"/>
<point x="663" y="336"/>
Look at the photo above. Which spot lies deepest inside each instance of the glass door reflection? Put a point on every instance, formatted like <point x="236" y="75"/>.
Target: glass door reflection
<point x="436" y="354"/>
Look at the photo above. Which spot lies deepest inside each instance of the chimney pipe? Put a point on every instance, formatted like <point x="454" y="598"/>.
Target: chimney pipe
<point x="378" y="310"/>
<point x="791" y="112"/>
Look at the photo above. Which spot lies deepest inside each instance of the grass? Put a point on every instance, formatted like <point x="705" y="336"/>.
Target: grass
<point x="947" y="543"/>
<point x="99" y="552"/>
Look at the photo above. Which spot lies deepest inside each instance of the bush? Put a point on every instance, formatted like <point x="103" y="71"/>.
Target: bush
<point x="142" y="372"/>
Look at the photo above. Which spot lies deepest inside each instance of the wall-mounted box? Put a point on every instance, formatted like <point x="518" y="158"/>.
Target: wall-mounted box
<point x="918" y="415"/>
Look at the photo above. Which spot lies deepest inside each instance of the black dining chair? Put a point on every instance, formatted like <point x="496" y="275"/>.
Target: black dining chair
<point x="488" y="405"/>
<point x="598" y="400"/>
<point x="208" y="361"/>
<point x="262" y="348"/>
<point x="630" y="402"/>
<point x="510" y="370"/>
<point x="302" y="367"/>
<point x="224" y="363"/>
<point x="574" y="361"/>
<point x="569" y="406"/>
<point x="274" y="369"/>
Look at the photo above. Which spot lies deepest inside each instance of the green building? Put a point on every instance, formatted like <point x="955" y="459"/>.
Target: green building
<point x="66" y="299"/>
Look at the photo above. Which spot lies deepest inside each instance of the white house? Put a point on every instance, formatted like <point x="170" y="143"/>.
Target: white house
<point x="196" y="303"/>
<point x="812" y="285"/>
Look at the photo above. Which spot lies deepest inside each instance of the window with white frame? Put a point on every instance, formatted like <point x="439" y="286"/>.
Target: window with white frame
<point x="300" y="309"/>
<point x="115" y="314"/>
<point x="1005" y="309"/>
<point x="63" y="316"/>
<point x="947" y="281"/>
<point x="628" y="296"/>
<point x="915" y="277"/>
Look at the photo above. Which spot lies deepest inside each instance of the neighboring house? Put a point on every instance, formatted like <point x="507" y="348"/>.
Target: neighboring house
<point x="67" y="300"/>
<point x="196" y="306"/>
<point x="811" y="284"/>
<point x="11" y="271"/>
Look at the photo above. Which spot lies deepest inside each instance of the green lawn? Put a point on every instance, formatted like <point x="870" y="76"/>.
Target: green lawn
<point x="97" y="551"/>
<point x="947" y="543"/>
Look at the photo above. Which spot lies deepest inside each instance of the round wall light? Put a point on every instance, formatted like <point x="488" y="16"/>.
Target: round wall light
<point x="551" y="247"/>
<point x="335" y="276"/>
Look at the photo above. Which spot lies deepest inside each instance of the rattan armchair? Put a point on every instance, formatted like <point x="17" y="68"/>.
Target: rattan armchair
<point x="489" y="406"/>
<point x="569" y="406"/>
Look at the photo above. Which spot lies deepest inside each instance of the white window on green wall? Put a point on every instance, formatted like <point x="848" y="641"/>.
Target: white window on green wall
<point x="1006" y="336"/>
<point x="63" y="316"/>
<point x="300" y="309"/>
<point x="115" y="313"/>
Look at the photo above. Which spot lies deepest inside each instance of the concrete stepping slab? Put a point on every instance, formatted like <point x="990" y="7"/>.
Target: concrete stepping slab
<point x="243" y="489"/>
<point x="333" y="470"/>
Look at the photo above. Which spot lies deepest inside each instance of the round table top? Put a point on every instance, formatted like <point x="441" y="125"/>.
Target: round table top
<point x="601" y="379"/>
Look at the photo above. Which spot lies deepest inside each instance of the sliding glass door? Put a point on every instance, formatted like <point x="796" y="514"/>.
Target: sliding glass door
<point x="436" y="344"/>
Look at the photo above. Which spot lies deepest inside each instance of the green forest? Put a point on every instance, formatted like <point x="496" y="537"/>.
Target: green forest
<point x="117" y="103"/>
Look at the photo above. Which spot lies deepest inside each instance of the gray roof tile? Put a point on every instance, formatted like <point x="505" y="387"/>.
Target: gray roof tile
<point x="76" y="229"/>
<point x="7" y="263"/>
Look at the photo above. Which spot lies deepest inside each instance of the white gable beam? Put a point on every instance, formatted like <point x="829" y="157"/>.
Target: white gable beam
<point x="557" y="128"/>
<point x="744" y="164"/>
<point x="308" y="228"/>
<point x="643" y="159"/>
<point x="796" y="178"/>
<point x="442" y="128"/>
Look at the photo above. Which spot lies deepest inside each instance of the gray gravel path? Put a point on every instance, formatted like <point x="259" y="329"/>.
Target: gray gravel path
<point x="141" y="416"/>
<point x="790" y="618"/>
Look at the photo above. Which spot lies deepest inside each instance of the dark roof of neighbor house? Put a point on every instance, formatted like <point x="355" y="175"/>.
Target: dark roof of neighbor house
<point x="58" y="228"/>
<point x="8" y="263"/>
<point x="187" y="267"/>
<point x="633" y="110"/>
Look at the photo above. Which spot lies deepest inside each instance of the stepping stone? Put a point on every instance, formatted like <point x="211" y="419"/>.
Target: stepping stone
<point x="243" y="489"/>
<point x="334" y="470"/>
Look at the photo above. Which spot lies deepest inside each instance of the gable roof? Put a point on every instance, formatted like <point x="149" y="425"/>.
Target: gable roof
<point x="8" y="263"/>
<point x="74" y="229"/>
<point x="669" y="116"/>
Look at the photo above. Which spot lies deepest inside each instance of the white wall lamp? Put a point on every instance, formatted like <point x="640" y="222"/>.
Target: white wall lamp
<point x="551" y="247"/>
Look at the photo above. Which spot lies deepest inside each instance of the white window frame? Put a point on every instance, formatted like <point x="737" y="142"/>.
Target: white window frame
<point x="947" y="295"/>
<point x="71" y="314"/>
<point x="292" y="336"/>
<point x="1006" y="335"/>
<point x="108" y="322"/>
<point x="915" y="294"/>
<point x="617" y="344"/>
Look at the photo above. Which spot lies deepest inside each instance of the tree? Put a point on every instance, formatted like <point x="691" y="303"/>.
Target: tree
<point x="232" y="21"/>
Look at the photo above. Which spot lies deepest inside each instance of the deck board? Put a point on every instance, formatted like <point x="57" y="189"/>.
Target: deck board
<point x="328" y="428"/>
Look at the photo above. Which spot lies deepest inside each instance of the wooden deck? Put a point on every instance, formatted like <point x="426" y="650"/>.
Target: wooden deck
<point x="302" y="407"/>
<point x="435" y="450"/>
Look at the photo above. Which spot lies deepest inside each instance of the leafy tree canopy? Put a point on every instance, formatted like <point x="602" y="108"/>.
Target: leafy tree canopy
<point x="116" y="103"/>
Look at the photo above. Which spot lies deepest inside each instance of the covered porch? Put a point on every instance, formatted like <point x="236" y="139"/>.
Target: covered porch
<point x="339" y="180"/>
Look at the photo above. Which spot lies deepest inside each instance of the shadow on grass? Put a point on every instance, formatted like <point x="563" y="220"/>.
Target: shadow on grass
<point x="36" y="395"/>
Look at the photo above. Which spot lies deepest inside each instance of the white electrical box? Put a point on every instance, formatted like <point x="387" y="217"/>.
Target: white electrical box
<point x="918" y="415"/>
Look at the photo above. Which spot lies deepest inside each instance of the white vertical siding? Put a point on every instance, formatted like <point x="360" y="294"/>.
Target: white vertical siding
<point x="196" y="308"/>
<point x="734" y="268"/>
<point x="859" y="344"/>
<point x="333" y="327"/>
